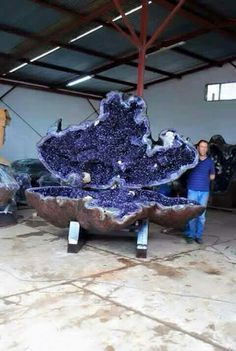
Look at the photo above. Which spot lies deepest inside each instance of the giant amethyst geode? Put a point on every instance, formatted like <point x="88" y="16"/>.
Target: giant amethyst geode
<point x="108" y="165"/>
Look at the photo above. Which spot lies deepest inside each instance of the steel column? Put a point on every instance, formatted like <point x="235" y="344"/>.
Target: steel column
<point x="142" y="47"/>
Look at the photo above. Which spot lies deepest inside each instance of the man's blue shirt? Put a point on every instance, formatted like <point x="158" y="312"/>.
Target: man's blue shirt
<point x="199" y="177"/>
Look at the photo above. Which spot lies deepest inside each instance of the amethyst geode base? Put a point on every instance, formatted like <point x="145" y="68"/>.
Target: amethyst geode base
<point x="107" y="210"/>
<point x="107" y="163"/>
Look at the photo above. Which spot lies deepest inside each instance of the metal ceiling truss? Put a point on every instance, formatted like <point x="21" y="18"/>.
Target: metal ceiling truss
<point x="30" y="84"/>
<point x="72" y="47"/>
<point x="140" y="40"/>
<point x="189" y="71"/>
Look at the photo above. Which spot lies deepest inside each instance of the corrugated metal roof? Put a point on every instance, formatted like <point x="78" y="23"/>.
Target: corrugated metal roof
<point x="225" y="8"/>
<point x="72" y="59"/>
<point x="129" y="74"/>
<point x="43" y="20"/>
<point x="212" y="45"/>
<point x="171" y="61"/>
<point x="43" y="75"/>
<point x="27" y="15"/>
<point x="156" y="15"/>
<point x="108" y="41"/>
<point x="8" y="41"/>
<point x="76" y="4"/>
<point x="98" y="86"/>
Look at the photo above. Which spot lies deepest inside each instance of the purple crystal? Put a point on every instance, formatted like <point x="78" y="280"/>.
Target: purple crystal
<point x="117" y="148"/>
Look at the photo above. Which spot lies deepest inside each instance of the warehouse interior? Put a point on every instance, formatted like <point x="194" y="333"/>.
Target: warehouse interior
<point x="59" y="59"/>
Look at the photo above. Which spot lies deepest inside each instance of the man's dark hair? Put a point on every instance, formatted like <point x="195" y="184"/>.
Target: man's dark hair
<point x="202" y="141"/>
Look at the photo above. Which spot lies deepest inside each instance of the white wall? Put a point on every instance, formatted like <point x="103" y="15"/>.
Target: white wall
<point x="40" y="110"/>
<point x="180" y="104"/>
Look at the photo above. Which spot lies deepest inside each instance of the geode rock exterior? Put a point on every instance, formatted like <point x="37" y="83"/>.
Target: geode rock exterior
<point x="107" y="163"/>
<point x="108" y="210"/>
<point x="224" y="156"/>
<point x="30" y="173"/>
<point x="8" y="187"/>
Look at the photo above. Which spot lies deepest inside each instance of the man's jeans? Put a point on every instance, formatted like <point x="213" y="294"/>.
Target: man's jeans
<point x="195" y="226"/>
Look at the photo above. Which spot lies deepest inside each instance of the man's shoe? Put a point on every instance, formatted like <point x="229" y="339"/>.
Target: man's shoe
<point x="189" y="240"/>
<point x="199" y="241"/>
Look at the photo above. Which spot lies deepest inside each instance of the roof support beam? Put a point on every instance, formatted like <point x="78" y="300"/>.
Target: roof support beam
<point x="44" y="87"/>
<point x="42" y="39"/>
<point x="142" y="48"/>
<point x="155" y="70"/>
<point x="75" y="14"/>
<point x="72" y="47"/>
<point x="113" y="62"/>
<point x="191" y="71"/>
<point x="213" y="15"/>
<point x="165" y="43"/>
<point x="129" y="32"/>
<point x="165" y="23"/>
<point x="124" y="60"/>
<point x="59" y="7"/>
<point x="81" y="18"/>
<point x="64" y="69"/>
<point x="73" y="25"/>
<point x="141" y="41"/>
<point x="132" y="35"/>
<point x="194" y="55"/>
<point x="170" y="4"/>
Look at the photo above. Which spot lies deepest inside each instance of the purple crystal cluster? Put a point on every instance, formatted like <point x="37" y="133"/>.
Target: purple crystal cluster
<point x="107" y="164"/>
<point x="116" y="148"/>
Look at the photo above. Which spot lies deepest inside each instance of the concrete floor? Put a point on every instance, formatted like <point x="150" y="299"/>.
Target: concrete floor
<point x="182" y="297"/>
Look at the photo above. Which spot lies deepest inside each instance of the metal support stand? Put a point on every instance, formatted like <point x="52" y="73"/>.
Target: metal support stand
<point x="7" y="216"/>
<point x="142" y="239"/>
<point x="76" y="237"/>
<point x="7" y="219"/>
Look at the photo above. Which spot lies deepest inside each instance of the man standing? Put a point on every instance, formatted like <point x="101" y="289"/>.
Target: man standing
<point x="198" y="185"/>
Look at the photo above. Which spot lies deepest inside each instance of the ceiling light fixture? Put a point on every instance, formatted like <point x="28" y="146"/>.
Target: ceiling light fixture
<point x="129" y="12"/>
<point x="18" y="67"/>
<point x="165" y="48"/>
<point x="34" y="59"/>
<point x="44" y="54"/>
<point x="78" y="81"/>
<point x="85" y="34"/>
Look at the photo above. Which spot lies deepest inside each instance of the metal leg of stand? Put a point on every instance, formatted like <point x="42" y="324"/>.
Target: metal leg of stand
<point x="142" y="239"/>
<point x="76" y="237"/>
